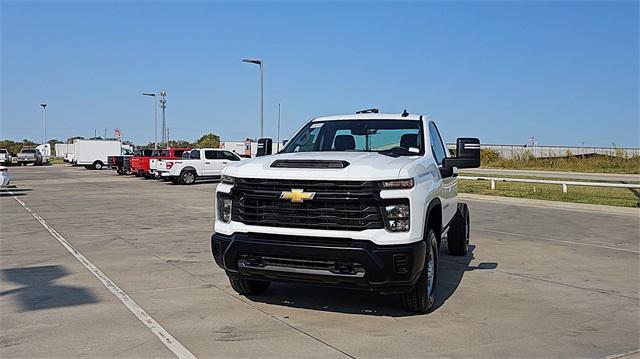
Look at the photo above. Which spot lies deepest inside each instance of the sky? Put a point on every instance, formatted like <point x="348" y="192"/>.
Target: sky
<point x="565" y="72"/>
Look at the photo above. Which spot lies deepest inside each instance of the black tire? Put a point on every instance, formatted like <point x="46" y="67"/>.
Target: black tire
<point x="420" y="299"/>
<point x="175" y="180"/>
<point x="97" y="165"/>
<point x="188" y="177"/>
<point x="458" y="236"/>
<point x="248" y="286"/>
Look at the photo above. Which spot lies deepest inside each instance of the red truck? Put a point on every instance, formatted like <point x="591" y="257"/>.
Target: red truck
<point x="140" y="164"/>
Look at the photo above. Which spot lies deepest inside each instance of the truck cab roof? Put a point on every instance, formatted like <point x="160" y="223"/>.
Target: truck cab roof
<point x="371" y="116"/>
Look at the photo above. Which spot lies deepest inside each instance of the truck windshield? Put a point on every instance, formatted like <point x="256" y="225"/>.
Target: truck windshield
<point x="28" y="151"/>
<point x="391" y="137"/>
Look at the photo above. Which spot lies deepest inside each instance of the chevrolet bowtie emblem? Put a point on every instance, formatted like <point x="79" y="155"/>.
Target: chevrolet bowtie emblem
<point x="297" y="195"/>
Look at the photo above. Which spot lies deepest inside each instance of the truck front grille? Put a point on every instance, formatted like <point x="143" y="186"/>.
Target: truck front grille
<point x="342" y="205"/>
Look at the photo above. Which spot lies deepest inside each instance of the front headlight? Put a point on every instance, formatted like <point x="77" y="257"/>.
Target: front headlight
<point x="224" y="208"/>
<point x="397" y="217"/>
<point x="398" y="184"/>
<point x="227" y="179"/>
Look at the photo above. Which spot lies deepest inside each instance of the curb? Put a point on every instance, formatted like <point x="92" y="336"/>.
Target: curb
<point x="635" y="212"/>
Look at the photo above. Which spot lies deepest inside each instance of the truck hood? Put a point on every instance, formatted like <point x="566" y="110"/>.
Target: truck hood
<point x="363" y="166"/>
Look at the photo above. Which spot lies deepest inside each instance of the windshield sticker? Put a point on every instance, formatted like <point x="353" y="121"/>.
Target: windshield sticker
<point x="316" y="125"/>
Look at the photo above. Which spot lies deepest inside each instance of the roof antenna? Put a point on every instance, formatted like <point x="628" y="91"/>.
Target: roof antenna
<point x="405" y="113"/>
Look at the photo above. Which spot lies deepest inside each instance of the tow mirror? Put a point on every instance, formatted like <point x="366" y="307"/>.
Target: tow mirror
<point x="265" y="147"/>
<point x="467" y="154"/>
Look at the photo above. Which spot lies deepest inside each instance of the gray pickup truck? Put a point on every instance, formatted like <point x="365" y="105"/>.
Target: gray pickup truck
<point x="30" y="155"/>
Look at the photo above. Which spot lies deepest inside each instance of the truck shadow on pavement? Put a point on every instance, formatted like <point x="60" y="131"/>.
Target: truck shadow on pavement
<point x="40" y="291"/>
<point x="451" y="271"/>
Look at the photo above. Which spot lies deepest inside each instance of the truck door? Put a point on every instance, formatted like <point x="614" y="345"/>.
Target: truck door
<point x="211" y="165"/>
<point x="448" y="190"/>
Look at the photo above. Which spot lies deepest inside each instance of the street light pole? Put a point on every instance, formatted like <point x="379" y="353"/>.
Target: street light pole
<point x="278" y="147"/>
<point x="261" y="64"/>
<point x="44" y="115"/>
<point x="163" y="105"/>
<point x="155" y="118"/>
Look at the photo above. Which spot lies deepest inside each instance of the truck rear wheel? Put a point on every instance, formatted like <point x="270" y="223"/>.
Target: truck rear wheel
<point x="458" y="236"/>
<point x="188" y="177"/>
<point x="423" y="295"/>
<point x="248" y="286"/>
<point x="97" y="165"/>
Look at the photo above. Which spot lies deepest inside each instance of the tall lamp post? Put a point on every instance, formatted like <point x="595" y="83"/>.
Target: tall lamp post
<point x="155" y="118"/>
<point x="259" y="63"/>
<point x="163" y="105"/>
<point x="44" y="116"/>
<point x="278" y="128"/>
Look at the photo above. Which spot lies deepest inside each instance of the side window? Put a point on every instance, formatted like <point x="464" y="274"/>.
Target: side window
<point x="436" y="143"/>
<point x="229" y="156"/>
<point x="210" y="155"/>
<point x="194" y="155"/>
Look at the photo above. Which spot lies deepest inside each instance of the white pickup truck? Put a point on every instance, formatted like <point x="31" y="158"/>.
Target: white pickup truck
<point x="5" y="157"/>
<point x="362" y="200"/>
<point x="202" y="163"/>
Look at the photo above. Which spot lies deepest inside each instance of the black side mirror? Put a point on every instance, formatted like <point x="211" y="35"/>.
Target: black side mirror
<point x="265" y="147"/>
<point x="467" y="154"/>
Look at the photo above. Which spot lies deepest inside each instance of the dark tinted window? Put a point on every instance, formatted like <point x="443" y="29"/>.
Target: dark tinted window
<point x="436" y="143"/>
<point x="194" y="155"/>
<point x="178" y="153"/>
<point x="3" y="151"/>
<point x="186" y="155"/>
<point x="229" y="156"/>
<point x="210" y="155"/>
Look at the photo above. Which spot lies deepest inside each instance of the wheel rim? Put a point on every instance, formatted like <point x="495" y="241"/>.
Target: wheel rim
<point x="188" y="177"/>
<point x="430" y="272"/>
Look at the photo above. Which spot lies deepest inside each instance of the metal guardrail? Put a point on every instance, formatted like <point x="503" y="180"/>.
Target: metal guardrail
<point x="565" y="184"/>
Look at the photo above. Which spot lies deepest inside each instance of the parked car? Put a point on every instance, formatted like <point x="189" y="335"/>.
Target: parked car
<point x="362" y="201"/>
<point x="121" y="164"/>
<point x="30" y="156"/>
<point x="5" y="177"/>
<point x="141" y="165"/>
<point x="93" y="154"/>
<point x="202" y="163"/>
<point x="5" y="157"/>
<point x="153" y="164"/>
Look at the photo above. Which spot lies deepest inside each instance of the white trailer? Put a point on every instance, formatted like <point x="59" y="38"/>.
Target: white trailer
<point x="93" y="153"/>
<point x="62" y="149"/>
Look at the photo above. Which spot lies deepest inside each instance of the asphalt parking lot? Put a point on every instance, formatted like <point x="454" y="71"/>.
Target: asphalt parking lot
<point x="540" y="282"/>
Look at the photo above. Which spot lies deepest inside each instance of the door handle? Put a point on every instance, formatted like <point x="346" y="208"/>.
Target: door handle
<point x="207" y="163"/>
<point x="225" y="162"/>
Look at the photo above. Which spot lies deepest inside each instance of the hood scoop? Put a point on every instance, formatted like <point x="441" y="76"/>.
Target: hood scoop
<point x="309" y="164"/>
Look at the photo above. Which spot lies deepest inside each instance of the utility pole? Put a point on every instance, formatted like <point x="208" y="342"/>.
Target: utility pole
<point x="105" y="134"/>
<point x="44" y="114"/>
<point x="163" y="105"/>
<point x="168" y="138"/>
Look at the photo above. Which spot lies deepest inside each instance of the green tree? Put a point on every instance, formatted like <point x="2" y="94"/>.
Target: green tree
<point x="209" y="140"/>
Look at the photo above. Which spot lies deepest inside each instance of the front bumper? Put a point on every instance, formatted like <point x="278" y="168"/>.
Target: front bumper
<point x="326" y="261"/>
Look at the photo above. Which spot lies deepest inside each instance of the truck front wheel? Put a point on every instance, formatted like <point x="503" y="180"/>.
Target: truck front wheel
<point x="458" y="236"/>
<point x="188" y="177"/>
<point x="248" y="286"/>
<point x="423" y="295"/>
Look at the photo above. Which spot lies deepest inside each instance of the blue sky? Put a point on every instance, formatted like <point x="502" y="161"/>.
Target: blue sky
<point x="565" y="72"/>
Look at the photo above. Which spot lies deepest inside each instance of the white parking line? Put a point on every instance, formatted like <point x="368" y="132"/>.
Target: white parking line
<point x="557" y="240"/>
<point x="167" y="339"/>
